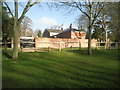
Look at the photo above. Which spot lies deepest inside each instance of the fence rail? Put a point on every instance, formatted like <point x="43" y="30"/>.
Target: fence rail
<point x="49" y="46"/>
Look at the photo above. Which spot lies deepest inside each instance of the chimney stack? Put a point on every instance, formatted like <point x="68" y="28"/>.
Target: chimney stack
<point x="62" y="27"/>
<point x="70" y="26"/>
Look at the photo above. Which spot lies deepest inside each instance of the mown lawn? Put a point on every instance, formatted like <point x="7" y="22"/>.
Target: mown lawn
<point x="65" y="69"/>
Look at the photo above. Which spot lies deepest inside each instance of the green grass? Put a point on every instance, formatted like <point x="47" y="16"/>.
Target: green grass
<point x="65" y="69"/>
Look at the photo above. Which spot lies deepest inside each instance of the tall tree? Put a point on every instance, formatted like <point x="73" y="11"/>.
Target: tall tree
<point x="17" y="22"/>
<point x="113" y="12"/>
<point x="103" y="21"/>
<point x="108" y="20"/>
<point x="90" y="9"/>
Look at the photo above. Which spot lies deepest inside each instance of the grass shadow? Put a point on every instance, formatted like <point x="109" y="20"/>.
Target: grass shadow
<point x="113" y="54"/>
<point x="78" y="52"/>
<point x="7" y="55"/>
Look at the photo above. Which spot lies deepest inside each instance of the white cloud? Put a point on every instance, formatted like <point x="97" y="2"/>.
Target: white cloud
<point x="44" y="22"/>
<point x="64" y="26"/>
<point x="48" y="22"/>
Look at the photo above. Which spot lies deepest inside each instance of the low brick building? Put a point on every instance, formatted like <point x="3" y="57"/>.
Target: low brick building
<point x="72" y="33"/>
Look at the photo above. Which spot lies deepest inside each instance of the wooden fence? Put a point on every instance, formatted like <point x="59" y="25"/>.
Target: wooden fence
<point x="28" y="46"/>
<point x="59" y="46"/>
<point x="50" y="46"/>
<point x="108" y="45"/>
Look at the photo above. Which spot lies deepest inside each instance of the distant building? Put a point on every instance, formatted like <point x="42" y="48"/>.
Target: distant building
<point x="51" y="32"/>
<point x="67" y="33"/>
<point x="72" y="33"/>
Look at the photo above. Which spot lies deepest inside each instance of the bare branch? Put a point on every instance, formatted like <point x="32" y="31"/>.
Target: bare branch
<point x="82" y="10"/>
<point x="21" y="4"/>
<point x="36" y="2"/>
<point x="26" y="9"/>
<point x="9" y="9"/>
<point x="96" y="15"/>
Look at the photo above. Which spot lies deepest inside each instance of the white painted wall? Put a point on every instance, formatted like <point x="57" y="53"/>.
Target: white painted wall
<point x="52" y="33"/>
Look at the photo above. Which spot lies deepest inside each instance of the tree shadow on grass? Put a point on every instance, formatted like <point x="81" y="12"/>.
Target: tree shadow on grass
<point x="108" y="54"/>
<point x="79" y="52"/>
<point x="7" y="55"/>
<point x="67" y="74"/>
<point x="75" y="74"/>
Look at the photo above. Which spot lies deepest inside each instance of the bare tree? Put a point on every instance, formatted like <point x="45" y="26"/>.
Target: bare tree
<point x="35" y="32"/>
<point x="112" y="10"/>
<point x="17" y="22"/>
<point x="90" y="9"/>
<point x="26" y="29"/>
<point x="103" y="21"/>
<point x="82" y="22"/>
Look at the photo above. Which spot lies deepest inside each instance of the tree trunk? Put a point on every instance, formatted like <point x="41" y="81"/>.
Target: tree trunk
<point x="5" y="42"/>
<point x="89" y="33"/>
<point x="16" y="33"/>
<point x="118" y="38"/>
<point x="89" y="42"/>
<point x="118" y="44"/>
<point x="15" y="42"/>
<point x="106" y="39"/>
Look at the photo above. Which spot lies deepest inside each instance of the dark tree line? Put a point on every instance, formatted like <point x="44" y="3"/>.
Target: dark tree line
<point x="7" y="26"/>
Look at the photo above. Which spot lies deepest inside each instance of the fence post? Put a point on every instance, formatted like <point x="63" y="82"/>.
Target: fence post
<point x="35" y="45"/>
<point x="71" y="48"/>
<point x="109" y="45"/>
<point x="97" y="44"/>
<point x="11" y="42"/>
<point x="21" y="47"/>
<point x="59" y="46"/>
<point x="49" y="49"/>
<point x="117" y="45"/>
<point x="79" y="45"/>
<point x="105" y="45"/>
